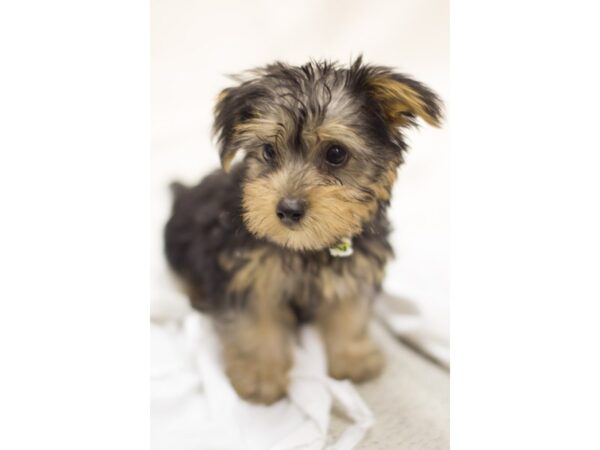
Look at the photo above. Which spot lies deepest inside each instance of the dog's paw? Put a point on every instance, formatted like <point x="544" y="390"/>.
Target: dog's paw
<point x="258" y="380"/>
<point x="358" y="361"/>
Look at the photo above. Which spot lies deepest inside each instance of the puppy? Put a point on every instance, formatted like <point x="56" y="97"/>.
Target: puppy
<point x="297" y="231"/>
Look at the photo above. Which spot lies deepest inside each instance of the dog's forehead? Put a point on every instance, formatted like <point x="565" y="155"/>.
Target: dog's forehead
<point x="315" y="100"/>
<point x="302" y="115"/>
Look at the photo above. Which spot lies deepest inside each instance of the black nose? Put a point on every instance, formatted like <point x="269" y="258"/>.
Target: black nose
<point x="290" y="210"/>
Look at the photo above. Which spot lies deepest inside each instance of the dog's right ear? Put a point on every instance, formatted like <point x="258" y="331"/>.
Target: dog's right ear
<point x="234" y="107"/>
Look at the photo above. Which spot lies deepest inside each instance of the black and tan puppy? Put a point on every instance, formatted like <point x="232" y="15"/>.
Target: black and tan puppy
<point x="297" y="231"/>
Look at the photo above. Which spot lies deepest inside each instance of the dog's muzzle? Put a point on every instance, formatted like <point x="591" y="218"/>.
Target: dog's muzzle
<point x="290" y="210"/>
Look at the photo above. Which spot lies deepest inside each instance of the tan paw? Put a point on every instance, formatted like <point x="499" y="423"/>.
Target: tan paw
<point x="357" y="361"/>
<point x="258" y="380"/>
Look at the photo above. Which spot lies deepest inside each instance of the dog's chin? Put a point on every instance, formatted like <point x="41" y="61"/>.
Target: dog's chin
<point x="301" y="238"/>
<point x="293" y="240"/>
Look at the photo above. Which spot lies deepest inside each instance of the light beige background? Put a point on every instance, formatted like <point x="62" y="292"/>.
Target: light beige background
<point x="194" y="43"/>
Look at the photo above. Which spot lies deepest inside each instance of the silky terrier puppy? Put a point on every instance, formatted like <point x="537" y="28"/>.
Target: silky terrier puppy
<point x="297" y="230"/>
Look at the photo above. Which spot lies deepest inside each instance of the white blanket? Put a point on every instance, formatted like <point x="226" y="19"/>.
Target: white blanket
<point x="193" y="405"/>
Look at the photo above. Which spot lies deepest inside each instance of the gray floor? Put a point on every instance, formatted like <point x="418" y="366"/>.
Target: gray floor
<point x="409" y="401"/>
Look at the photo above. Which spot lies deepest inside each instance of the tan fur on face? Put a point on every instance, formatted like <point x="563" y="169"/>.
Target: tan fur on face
<point x="333" y="211"/>
<point x="383" y="188"/>
<point x="246" y="133"/>
<point x="335" y="131"/>
<point x="263" y="129"/>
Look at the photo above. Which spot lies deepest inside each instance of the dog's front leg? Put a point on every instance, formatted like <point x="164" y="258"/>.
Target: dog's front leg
<point x="256" y="350"/>
<point x="351" y="353"/>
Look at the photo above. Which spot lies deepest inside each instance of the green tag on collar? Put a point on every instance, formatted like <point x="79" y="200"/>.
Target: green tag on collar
<point x="342" y="249"/>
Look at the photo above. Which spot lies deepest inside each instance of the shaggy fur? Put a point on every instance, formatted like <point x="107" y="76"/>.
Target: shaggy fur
<point x="259" y="275"/>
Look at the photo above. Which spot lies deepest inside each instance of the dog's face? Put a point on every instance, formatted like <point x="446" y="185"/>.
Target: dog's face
<point x="322" y="146"/>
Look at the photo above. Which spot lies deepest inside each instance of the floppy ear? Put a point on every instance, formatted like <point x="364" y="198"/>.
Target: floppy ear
<point x="234" y="106"/>
<point x="402" y="99"/>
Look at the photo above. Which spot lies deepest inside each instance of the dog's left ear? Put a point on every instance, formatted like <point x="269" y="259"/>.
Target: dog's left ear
<point x="402" y="99"/>
<point x="234" y="106"/>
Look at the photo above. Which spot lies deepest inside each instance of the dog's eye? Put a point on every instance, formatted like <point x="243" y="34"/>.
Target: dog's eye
<point x="268" y="152"/>
<point x="336" y="155"/>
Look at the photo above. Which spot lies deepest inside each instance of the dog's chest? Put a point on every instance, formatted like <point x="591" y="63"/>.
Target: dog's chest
<point x="301" y="280"/>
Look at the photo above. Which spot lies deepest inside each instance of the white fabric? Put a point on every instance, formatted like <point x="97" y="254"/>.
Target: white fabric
<point x="193" y="405"/>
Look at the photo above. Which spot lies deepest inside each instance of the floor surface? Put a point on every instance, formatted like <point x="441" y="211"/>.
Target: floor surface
<point x="410" y="401"/>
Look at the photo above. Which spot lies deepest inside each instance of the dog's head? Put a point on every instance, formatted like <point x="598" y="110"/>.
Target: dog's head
<point x="322" y="146"/>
